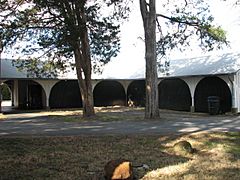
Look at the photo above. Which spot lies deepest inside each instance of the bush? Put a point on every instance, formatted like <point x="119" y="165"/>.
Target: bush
<point x="6" y="94"/>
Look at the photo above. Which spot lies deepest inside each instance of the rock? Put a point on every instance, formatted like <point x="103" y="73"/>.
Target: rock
<point x="118" y="169"/>
<point x="143" y="167"/>
<point x="183" y="147"/>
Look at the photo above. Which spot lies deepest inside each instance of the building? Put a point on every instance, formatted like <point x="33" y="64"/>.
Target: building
<point x="187" y="87"/>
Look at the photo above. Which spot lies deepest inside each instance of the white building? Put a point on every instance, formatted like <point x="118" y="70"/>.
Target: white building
<point x="187" y="87"/>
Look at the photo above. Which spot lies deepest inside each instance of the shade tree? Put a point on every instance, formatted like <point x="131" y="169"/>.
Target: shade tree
<point x="175" y="26"/>
<point x="53" y="32"/>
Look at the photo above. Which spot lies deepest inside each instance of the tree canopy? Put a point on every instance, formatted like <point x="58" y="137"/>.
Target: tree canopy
<point x="186" y="22"/>
<point x="47" y="29"/>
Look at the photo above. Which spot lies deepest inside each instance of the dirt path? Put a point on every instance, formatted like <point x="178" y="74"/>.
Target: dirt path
<point x="41" y="124"/>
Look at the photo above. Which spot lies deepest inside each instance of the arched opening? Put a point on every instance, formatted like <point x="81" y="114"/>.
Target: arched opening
<point x="212" y="86"/>
<point x="65" y="94"/>
<point x="109" y="93"/>
<point x="31" y="95"/>
<point x="136" y="93"/>
<point x="174" y="94"/>
<point x="7" y="97"/>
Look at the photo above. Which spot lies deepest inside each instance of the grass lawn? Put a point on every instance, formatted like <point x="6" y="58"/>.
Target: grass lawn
<point x="102" y="113"/>
<point x="217" y="156"/>
<point x="2" y="117"/>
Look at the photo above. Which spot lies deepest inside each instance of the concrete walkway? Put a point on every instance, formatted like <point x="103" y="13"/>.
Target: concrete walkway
<point x="39" y="124"/>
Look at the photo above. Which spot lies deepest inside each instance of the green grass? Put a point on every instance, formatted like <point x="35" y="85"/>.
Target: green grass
<point x="84" y="157"/>
<point x="229" y="141"/>
<point x="233" y="145"/>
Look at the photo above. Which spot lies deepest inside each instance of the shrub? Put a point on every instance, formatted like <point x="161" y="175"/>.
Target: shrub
<point x="6" y="94"/>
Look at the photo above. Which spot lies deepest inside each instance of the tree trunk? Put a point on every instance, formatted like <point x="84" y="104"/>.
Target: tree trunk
<point x="148" y="11"/>
<point x="85" y="85"/>
<point x="1" y="49"/>
<point x="84" y="68"/>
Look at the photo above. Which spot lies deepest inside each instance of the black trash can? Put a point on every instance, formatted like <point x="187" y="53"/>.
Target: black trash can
<point x="213" y="105"/>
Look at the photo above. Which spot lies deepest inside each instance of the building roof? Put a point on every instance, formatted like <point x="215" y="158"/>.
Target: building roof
<point x="8" y="71"/>
<point x="206" y="65"/>
<point x="227" y="63"/>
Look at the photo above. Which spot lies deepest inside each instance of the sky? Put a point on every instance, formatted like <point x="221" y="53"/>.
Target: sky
<point x="130" y="62"/>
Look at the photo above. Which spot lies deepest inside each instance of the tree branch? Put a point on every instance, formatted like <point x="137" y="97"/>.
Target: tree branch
<point x="143" y="8"/>
<point x="174" y="19"/>
<point x="159" y="26"/>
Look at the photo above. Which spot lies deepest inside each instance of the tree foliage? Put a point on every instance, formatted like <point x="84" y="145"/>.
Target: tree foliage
<point x="47" y="29"/>
<point x="36" y="68"/>
<point x="6" y="94"/>
<point x="188" y="22"/>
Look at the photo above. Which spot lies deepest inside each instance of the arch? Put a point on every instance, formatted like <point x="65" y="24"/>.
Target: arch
<point x="174" y="94"/>
<point x="31" y="95"/>
<point x="109" y="93"/>
<point x="65" y="94"/>
<point x="212" y="86"/>
<point x="136" y="92"/>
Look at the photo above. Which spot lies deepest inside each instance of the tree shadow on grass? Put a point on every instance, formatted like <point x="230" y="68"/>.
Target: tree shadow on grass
<point x="218" y="173"/>
<point x="79" y="157"/>
<point x="217" y="156"/>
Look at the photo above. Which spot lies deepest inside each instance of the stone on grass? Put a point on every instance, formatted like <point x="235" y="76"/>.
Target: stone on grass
<point x="118" y="169"/>
<point x="183" y="147"/>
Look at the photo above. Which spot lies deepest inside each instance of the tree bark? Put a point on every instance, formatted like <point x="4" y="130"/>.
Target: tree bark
<point x="85" y="85"/>
<point x="148" y="12"/>
<point x="84" y="67"/>
<point x="1" y="49"/>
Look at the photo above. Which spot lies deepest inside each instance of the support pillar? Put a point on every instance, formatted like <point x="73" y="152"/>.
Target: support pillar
<point x="233" y="83"/>
<point x="47" y="87"/>
<point x="192" y="84"/>
<point x="192" y="107"/>
<point x="15" y="94"/>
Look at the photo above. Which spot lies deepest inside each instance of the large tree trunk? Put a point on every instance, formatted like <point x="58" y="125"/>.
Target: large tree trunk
<point x="84" y="68"/>
<point x="148" y="11"/>
<point x="1" y="49"/>
<point x="85" y="84"/>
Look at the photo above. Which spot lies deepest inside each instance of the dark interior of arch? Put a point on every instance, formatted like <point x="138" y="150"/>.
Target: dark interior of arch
<point x="174" y="94"/>
<point x="109" y="93"/>
<point x="136" y="92"/>
<point x="31" y="95"/>
<point x="65" y="94"/>
<point x="212" y="86"/>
